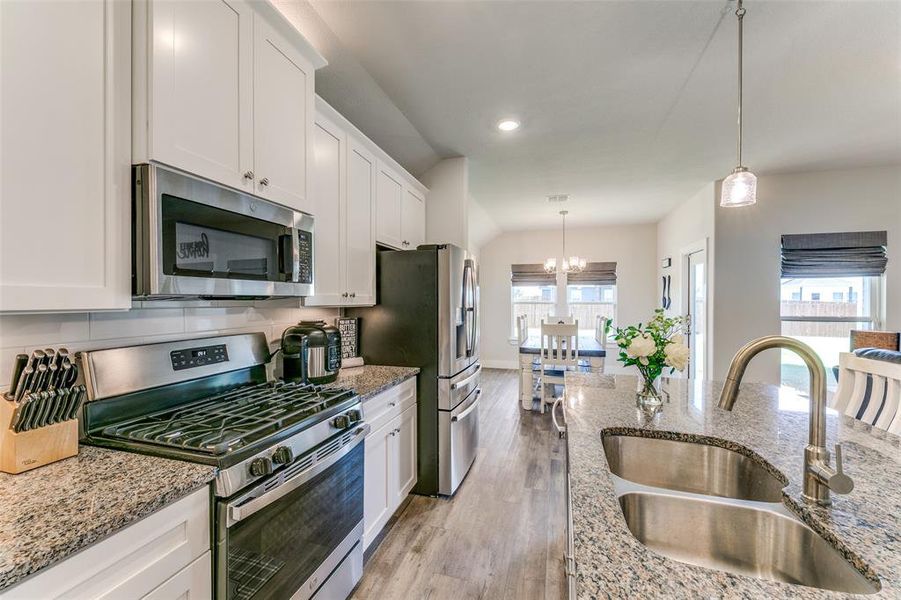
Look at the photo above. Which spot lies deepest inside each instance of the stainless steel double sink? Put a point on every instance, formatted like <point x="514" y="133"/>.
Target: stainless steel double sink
<point x="715" y="507"/>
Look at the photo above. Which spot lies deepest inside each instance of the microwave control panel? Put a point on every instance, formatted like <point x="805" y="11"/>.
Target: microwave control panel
<point x="305" y="250"/>
<point x="198" y="357"/>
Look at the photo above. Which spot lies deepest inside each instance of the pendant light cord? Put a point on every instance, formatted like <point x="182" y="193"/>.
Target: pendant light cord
<point x="740" y="13"/>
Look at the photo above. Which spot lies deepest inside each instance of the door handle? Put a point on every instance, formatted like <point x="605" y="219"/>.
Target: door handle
<point x="472" y="407"/>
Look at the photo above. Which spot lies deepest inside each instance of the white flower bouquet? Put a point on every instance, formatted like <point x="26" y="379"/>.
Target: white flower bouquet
<point x="652" y="348"/>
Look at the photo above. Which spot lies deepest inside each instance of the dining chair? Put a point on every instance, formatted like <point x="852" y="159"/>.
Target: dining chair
<point x="869" y="390"/>
<point x="522" y="328"/>
<point x="559" y="352"/>
<point x="600" y="329"/>
<point x="561" y="320"/>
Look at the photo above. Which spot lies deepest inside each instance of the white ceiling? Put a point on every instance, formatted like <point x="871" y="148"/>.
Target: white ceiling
<point x="629" y="106"/>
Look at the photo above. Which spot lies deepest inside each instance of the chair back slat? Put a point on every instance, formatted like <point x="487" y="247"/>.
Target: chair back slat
<point x="559" y="344"/>
<point x="869" y="390"/>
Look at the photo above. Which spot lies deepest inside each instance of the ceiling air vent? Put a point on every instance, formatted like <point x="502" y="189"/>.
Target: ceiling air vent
<point x="557" y="199"/>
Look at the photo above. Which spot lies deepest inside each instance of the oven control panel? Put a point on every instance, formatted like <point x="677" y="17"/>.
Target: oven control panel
<point x="198" y="357"/>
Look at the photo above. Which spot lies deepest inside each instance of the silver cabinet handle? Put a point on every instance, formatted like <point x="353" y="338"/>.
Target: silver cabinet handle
<point x="248" y="174"/>
<point x="264" y="181"/>
<point x="353" y="294"/>
<point x="344" y="295"/>
<point x="561" y="431"/>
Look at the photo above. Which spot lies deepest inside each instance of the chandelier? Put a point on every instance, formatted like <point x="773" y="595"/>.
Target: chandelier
<point x="573" y="264"/>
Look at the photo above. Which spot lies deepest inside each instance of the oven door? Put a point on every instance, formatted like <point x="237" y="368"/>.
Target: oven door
<point x="297" y="534"/>
<point x="194" y="238"/>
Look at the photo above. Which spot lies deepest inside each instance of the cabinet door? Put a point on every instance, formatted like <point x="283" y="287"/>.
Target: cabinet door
<point x="403" y="457"/>
<point x="389" y="198"/>
<point x="328" y="179"/>
<point x="377" y="496"/>
<point x="283" y="116"/>
<point x="413" y="219"/>
<point x="65" y="171"/>
<point x="360" y="225"/>
<point x="194" y="582"/>
<point x="201" y="61"/>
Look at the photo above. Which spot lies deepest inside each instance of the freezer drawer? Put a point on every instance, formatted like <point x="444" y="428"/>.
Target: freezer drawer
<point x="458" y="442"/>
<point x="454" y="390"/>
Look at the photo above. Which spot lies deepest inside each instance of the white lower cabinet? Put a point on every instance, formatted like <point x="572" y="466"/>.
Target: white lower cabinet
<point x="390" y="468"/>
<point x="165" y="555"/>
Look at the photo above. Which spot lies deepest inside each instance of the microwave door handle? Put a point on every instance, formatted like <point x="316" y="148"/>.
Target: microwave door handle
<point x="241" y="508"/>
<point x="289" y="255"/>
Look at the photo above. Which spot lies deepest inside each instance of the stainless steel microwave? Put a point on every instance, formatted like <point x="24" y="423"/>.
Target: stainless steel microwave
<point x="196" y="239"/>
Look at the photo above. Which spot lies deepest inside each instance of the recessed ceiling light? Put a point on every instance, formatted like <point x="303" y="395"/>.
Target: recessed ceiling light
<point x="508" y="125"/>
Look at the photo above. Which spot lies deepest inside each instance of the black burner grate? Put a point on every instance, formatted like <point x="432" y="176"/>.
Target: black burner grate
<point x="231" y="420"/>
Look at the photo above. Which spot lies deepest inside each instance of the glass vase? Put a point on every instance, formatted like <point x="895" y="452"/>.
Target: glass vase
<point x="649" y="392"/>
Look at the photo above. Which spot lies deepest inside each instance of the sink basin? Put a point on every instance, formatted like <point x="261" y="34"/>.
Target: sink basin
<point x="691" y="467"/>
<point x="741" y="539"/>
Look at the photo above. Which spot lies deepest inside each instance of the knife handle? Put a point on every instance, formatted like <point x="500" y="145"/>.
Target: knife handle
<point x="24" y="383"/>
<point x="18" y="366"/>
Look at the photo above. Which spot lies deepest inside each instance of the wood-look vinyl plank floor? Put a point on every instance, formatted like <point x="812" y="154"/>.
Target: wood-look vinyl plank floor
<point x="502" y="535"/>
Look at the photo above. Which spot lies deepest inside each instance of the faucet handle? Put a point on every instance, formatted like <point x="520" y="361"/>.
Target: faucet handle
<point x="839" y="482"/>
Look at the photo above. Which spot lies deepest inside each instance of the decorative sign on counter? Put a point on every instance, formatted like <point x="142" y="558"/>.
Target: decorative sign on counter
<point x="350" y="337"/>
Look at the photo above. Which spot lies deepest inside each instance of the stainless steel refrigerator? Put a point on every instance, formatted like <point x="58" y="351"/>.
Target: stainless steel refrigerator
<point x="427" y="316"/>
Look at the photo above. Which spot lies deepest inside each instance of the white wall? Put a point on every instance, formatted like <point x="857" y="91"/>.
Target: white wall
<point x="747" y="249"/>
<point x="482" y="228"/>
<point x="690" y="223"/>
<point x="89" y="331"/>
<point x="447" y="220"/>
<point x="633" y="247"/>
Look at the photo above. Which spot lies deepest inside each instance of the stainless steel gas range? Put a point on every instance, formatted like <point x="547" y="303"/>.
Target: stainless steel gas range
<point x="289" y="491"/>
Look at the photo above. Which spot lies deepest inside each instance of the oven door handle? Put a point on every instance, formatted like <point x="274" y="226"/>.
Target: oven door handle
<point x="256" y="499"/>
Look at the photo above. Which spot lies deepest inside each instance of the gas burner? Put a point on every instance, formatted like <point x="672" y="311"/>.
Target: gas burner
<point x="232" y="420"/>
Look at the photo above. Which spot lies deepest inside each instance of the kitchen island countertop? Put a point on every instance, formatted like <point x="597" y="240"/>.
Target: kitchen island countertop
<point x="772" y="422"/>
<point x="52" y="512"/>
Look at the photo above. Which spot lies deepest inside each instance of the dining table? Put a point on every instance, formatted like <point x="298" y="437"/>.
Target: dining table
<point x="591" y="355"/>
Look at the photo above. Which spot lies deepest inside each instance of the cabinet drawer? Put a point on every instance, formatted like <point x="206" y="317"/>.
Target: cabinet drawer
<point x="132" y="562"/>
<point x="383" y="407"/>
<point x="194" y="582"/>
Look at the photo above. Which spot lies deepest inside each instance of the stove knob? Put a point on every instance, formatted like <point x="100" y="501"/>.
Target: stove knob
<point x="355" y="415"/>
<point x="282" y="455"/>
<point x="261" y="466"/>
<point x="341" y="422"/>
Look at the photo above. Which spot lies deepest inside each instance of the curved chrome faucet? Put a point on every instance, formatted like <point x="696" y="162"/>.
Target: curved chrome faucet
<point x="819" y="477"/>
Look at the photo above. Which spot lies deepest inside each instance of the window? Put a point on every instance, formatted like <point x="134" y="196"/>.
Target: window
<point x="586" y="302"/>
<point x="537" y="302"/>
<point x="825" y="325"/>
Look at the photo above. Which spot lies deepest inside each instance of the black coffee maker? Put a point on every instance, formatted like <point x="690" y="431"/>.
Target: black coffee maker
<point x="311" y="352"/>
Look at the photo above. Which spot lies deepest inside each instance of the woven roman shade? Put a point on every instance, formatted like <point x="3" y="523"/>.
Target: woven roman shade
<point x="595" y="273"/>
<point x="532" y="274"/>
<point x="851" y="254"/>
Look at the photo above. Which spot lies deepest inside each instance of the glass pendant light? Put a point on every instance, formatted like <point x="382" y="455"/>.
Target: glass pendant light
<point x="740" y="187"/>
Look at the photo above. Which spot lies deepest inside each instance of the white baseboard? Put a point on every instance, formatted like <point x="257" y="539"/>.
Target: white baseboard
<point x="500" y="364"/>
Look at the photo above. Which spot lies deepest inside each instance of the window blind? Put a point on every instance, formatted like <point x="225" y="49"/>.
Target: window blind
<point x="595" y="273"/>
<point x="850" y="254"/>
<point x="531" y="274"/>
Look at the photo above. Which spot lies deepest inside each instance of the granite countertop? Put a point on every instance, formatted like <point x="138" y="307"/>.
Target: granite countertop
<point x="369" y="380"/>
<point x="54" y="511"/>
<point x="772" y="422"/>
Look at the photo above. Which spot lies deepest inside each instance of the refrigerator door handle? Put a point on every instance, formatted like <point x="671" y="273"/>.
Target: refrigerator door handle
<point x="469" y="306"/>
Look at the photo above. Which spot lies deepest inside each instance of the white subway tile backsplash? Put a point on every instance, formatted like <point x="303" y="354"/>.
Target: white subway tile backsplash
<point x="93" y="331"/>
<point x="136" y="323"/>
<point x="37" y="330"/>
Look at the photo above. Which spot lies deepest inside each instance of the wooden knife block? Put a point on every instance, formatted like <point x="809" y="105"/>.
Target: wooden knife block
<point x="26" y="450"/>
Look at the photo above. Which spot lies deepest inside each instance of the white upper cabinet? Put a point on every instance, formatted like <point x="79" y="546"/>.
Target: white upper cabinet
<point x="282" y="118"/>
<point x="223" y="89"/>
<point x="329" y="150"/>
<point x="412" y="219"/>
<point x="360" y="224"/>
<point x="194" y="61"/>
<point x="65" y="176"/>
<point x="343" y="196"/>
<point x="389" y="202"/>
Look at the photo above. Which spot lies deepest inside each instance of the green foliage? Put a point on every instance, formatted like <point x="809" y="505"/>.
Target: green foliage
<point x="661" y="330"/>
